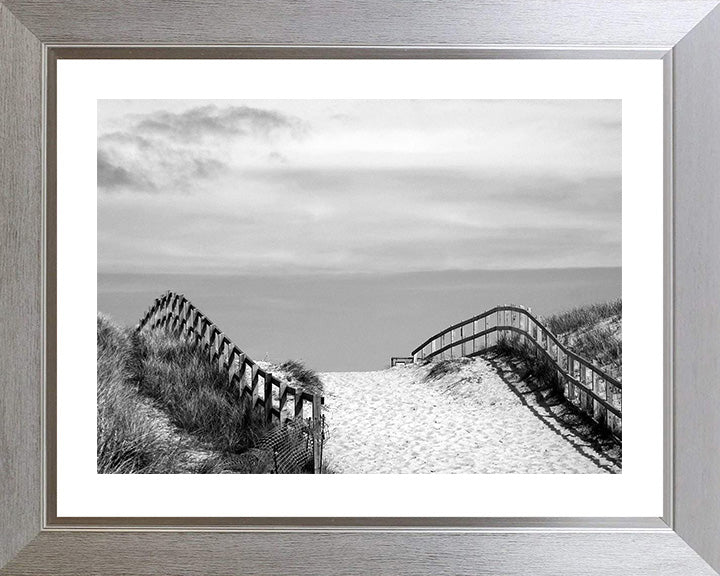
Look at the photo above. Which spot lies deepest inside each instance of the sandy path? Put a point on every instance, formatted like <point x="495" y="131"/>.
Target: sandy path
<point x="396" y="421"/>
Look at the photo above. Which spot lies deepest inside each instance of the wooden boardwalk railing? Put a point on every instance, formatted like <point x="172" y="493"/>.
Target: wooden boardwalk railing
<point x="177" y="314"/>
<point x="583" y="383"/>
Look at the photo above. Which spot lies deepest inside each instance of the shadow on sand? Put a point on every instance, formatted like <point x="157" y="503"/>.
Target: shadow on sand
<point x="547" y="404"/>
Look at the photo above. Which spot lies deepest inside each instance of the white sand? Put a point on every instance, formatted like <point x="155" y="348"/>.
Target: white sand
<point x="394" y="421"/>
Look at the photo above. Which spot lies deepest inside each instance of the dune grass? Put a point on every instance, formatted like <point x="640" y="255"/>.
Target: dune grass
<point x="164" y="407"/>
<point x="583" y="316"/>
<point x="442" y="368"/>
<point x="132" y="435"/>
<point x="594" y="332"/>
<point x="301" y="376"/>
<point x="197" y="395"/>
<point x="602" y="345"/>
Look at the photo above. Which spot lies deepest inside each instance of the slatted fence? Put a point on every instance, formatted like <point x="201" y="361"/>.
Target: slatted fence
<point x="175" y="313"/>
<point x="583" y="383"/>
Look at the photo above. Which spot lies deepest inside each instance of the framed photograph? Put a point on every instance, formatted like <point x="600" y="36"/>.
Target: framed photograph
<point x="334" y="281"/>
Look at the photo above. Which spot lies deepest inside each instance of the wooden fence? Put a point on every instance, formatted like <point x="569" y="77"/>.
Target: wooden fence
<point x="583" y="383"/>
<point x="175" y="313"/>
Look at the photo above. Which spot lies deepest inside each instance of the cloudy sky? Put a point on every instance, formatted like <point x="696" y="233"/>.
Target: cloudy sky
<point x="346" y="186"/>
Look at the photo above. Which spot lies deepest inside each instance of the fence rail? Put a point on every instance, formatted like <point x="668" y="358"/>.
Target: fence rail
<point x="177" y="314"/>
<point x="583" y="383"/>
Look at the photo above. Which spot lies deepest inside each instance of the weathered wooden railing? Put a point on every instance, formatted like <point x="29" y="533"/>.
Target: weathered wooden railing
<point x="583" y="383"/>
<point x="177" y="314"/>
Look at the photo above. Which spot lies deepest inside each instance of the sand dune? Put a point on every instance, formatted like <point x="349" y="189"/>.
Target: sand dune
<point x="469" y="421"/>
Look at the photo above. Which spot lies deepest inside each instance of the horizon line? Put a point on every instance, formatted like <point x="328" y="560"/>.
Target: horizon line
<point x="356" y="273"/>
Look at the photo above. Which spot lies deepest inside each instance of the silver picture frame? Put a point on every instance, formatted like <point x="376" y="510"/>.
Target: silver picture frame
<point x="684" y="34"/>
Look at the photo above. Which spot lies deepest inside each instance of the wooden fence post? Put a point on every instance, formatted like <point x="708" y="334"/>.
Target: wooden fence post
<point x="587" y="408"/>
<point x="224" y="351"/>
<point x="214" y="340"/>
<point x="474" y="341"/>
<point x="232" y="367"/>
<point x="174" y="312"/>
<point x="579" y="391"/>
<point x="254" y="385"/>
<point x="593" y="385"/>
<point x="241" y="374"/>
<point x="317" y="433"/>
<point x="283" y="394"/>
<point x="485" y="330"/>
<point x="198" y="327"/>
<point x="602" y="392"/>
<point x="298" y="404"/>
<point x="206" y="333"/>
<point x="267" y="393"/>
<point x="571" y="384"/>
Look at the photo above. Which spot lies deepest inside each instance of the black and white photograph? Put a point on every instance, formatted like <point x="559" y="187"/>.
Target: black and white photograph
<point x="359" y="286"/>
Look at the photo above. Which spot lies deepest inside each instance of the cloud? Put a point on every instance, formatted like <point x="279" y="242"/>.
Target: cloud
<point x="207" y="167"/>
<point x="154" y="170"/>
<point x="112" y="177"/>
<point x="342" y="118"/>
<point x="427" y="185"/>
<point x="443" y="188"/>
<point x="278" y="158"/>
<point x="170" y="152"/>
<point x="212" y="121"/>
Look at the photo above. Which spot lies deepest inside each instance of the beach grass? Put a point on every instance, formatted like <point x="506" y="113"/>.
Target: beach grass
<point x="165" y="407"/>
<point x="441" y="368"/>
<point x="583" y="316"/>
<point x="196" y="394"/>
<point x="594" y="332"/>
<point x="299" y="375"/>
<point x="132" y="435"/>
